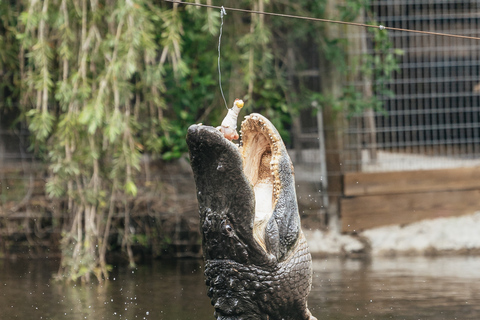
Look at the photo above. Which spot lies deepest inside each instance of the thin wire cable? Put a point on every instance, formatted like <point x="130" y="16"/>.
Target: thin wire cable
<point x="381" y="27"/>
<point x="222" y="13"/>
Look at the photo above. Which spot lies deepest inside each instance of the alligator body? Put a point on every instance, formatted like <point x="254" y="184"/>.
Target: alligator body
<point x="257" y="261"/>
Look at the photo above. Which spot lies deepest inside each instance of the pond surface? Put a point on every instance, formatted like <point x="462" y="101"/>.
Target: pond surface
<point x="401" y="288"/>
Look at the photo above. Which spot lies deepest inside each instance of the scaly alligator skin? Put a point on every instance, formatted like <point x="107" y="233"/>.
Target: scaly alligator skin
<point x="257" y="261"/>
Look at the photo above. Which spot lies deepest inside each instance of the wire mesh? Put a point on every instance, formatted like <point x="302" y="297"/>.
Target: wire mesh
<point x="432" y="121"/>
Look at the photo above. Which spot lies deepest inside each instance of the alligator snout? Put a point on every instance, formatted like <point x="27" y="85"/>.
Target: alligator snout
<point x="254" y="249"/>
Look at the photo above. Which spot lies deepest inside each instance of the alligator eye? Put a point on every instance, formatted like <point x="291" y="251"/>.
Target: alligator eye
<point x="227" y="228"/>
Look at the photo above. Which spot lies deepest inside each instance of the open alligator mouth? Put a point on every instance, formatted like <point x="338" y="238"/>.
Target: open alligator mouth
<point x="249" y="188"/>
<point x="261" y="153"/>
<point x="257" y="264"/>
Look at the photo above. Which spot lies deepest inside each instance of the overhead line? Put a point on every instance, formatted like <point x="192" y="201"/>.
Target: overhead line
<point x="381" y="27"/>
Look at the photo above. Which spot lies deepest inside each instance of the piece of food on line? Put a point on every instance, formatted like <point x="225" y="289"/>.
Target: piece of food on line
<point x="229" y="123"/>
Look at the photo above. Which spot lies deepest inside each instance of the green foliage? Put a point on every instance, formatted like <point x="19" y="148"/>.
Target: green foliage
<point x="92" y="90"/>
<point x="9" y="48"/>
<point x="141" y="239"/>
<point x="379" y="67"/>
<point x="99" y="84"/>
<point x="350" y="9"/>
<point x="41" y="123"/>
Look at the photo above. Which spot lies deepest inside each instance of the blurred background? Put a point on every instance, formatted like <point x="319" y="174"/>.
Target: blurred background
<point x="96" y="97"/>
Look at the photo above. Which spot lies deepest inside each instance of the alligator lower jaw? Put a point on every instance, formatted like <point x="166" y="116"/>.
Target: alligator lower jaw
<point x="261" y="150"/>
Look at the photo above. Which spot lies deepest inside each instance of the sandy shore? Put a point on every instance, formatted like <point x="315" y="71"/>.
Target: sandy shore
<point x="455" y="235"/>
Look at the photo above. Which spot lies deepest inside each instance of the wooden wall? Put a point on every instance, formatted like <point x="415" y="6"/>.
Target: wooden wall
<point x="384" y="198"/>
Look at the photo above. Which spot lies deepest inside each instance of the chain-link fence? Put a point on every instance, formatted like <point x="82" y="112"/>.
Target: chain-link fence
<point x="432" y="121"/>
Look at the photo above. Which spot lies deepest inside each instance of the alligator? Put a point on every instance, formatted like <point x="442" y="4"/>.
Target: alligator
<point x="257" y="263"/>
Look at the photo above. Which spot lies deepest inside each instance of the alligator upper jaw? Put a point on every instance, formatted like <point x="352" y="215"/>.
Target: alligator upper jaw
<point x="238" y="185"/>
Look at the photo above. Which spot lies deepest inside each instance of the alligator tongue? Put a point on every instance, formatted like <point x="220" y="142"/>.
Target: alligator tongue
<point x="225" y="197"/>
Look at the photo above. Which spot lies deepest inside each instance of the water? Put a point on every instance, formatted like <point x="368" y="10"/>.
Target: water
<point x="401" y="288"/>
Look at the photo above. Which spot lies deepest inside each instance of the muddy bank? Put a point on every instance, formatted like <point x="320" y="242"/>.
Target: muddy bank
<point x="164" y="215"/>
<point x="164" y="218"/>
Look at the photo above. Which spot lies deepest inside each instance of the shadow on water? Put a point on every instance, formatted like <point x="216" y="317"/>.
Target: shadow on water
<point x="402" y="288"/>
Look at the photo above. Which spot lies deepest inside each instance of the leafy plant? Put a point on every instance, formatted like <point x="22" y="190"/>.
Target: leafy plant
<point x="101" y="83"/>
<point x="379" y="67"/>
<point x="93" y="93"/>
